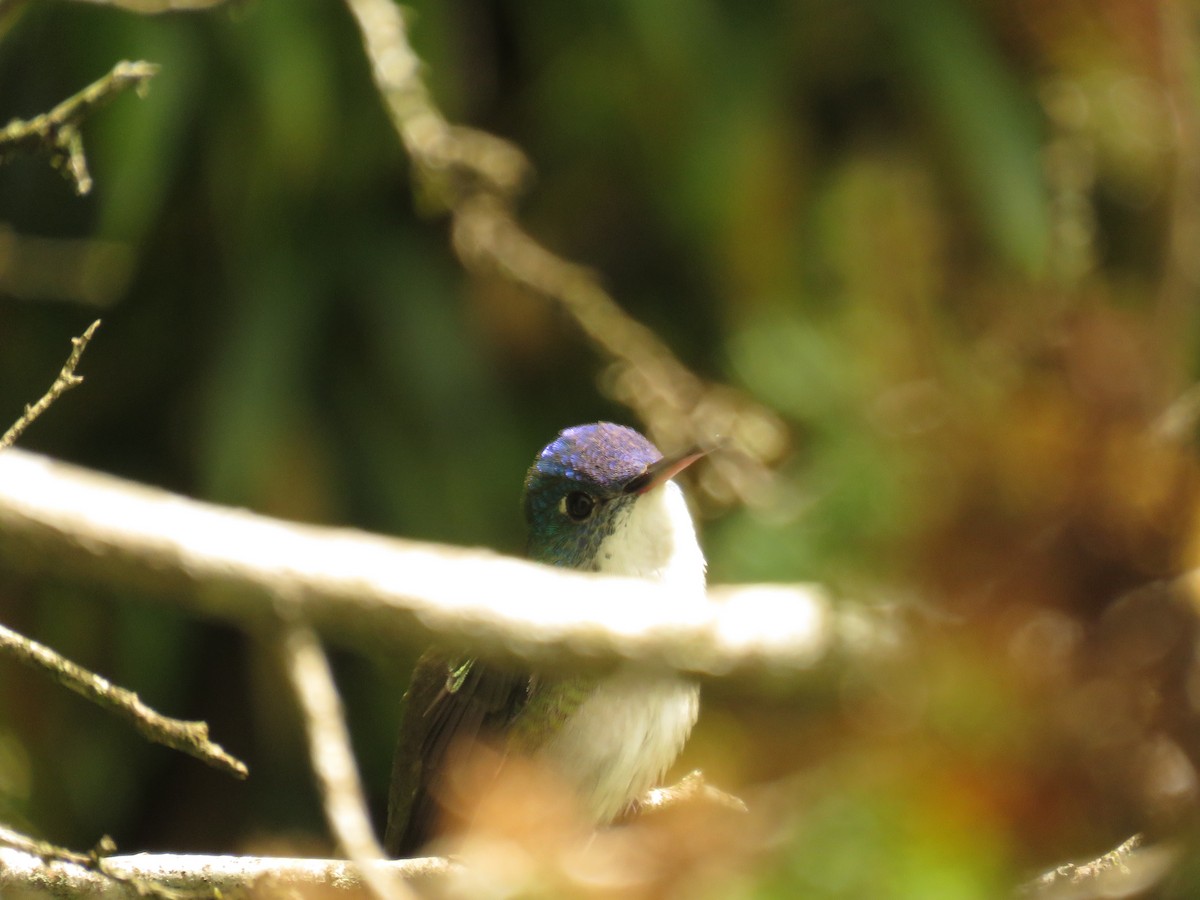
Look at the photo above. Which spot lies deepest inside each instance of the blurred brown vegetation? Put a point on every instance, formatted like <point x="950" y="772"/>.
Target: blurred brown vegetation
<point x="952" y="242"/>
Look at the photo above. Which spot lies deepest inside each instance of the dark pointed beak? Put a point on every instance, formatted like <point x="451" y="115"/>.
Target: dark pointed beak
<point x="662" y="471"/>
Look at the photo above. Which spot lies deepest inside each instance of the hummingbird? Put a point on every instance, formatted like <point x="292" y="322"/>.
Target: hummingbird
<point x="600" y="498"/>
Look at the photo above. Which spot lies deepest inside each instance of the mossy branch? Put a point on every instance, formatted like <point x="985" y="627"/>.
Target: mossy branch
<point x="57" y="134"/>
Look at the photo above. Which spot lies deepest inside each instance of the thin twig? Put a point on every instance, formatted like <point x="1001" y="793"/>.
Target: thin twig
<point x="476" y="177"/>
<point x="333" y="760"/>
<point x="57" y="132"/>
<point x="66" y="380"/>
<point x="188" y="737"/>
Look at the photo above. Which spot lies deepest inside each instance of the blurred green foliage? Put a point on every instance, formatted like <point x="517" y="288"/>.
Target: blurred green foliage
<point x="947" y="240"/>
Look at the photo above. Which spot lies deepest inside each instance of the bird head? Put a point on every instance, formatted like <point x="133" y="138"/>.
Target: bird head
<point x="600" y="497"/>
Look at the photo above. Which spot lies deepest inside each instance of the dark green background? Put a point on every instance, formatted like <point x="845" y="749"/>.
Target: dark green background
<point x="947" y="240"/>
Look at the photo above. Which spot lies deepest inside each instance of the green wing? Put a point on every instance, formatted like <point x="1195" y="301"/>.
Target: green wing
<point x="450" y="699"/>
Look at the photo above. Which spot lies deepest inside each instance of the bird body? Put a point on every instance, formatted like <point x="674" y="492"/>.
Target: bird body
<point x="598" y="498"/>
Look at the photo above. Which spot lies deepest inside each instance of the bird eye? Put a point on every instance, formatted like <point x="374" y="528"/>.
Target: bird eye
<point x="578" y="505"/>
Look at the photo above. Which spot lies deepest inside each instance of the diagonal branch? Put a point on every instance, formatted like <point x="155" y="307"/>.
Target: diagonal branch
<point x="188" y="737"/>
<point x="66" y="380"/>
<point x="476" y="177"/>
<point x="57" y="132"/>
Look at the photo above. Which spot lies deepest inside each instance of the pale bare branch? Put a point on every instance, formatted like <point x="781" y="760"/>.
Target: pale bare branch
<point x="156" y="7"/>
<point x="89" y="271"/>
<point x="64" y="521"/>
<point x="333" y="759"/>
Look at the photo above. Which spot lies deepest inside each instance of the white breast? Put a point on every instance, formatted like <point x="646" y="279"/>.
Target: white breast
<point x="631" y="728"/>
<point x="623" y="737"/>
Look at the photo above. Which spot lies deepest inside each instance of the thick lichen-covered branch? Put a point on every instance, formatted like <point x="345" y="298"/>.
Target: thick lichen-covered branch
<point x="30" y="867"/>
<point x="155" y="7"/>
<point x="57" y="134"/>
<point x="27" y="874"/>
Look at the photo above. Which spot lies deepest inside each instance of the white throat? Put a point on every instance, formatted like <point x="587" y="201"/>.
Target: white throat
<point x="657" y="540"/>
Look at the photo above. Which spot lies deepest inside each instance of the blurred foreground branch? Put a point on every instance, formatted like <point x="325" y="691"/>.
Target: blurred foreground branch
<point x="82" y="271"/>
<point x="155" y="7"/>
<point x="1126" y="871"/>
<point x="60" y="520"/>
<point x="477" y="177"/>
<point x="57" y="132"/>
